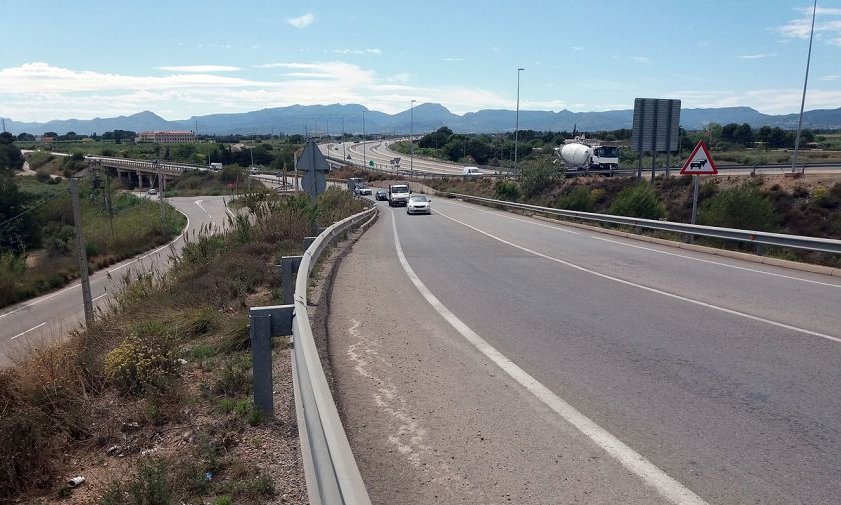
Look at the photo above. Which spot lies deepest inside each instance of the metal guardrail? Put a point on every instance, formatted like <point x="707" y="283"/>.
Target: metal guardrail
<point x="749" y="236"/>
<point x="329" y="466"/>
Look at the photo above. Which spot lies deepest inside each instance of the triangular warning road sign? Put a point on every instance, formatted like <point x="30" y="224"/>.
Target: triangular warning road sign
<point x="700" y="162"/>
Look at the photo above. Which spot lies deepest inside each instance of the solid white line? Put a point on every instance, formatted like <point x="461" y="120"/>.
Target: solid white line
<point x="634" y="462"/>
<point x="27" y="331"/>
<point x="647" y="288"/>
<point x="100" y="296"/>
<point x="594" y="236"/>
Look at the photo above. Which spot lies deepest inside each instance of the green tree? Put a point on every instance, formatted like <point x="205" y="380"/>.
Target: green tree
<point x="536" y="177"/>
<point x="21" y="231"/>
<point x="10" y="156"/>
<point x="638" y="201"/>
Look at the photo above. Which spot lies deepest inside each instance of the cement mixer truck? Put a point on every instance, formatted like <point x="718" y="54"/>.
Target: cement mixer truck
<point x="580" y="154"/>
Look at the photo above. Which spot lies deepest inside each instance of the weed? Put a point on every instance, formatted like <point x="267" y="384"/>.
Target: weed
<point x="234" y="376"/>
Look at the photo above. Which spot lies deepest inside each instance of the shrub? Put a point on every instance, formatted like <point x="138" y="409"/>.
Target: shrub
<point x="580" y="199"/>
<point x="536" y="178"/>
<point x="143" y="360"/>
<point x="507" y="190"/>
<point x="235" y="376"/>
<point x="638" y="201"/>
<point x="42" y="175"/>
<point x="741" y="207"/>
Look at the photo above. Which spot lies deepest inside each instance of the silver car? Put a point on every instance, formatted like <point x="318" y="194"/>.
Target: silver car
<point x="419" y="204"/>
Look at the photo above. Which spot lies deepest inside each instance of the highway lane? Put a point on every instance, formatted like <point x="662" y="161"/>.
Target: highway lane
<point x="721" y="373"/>
<point x="51" y="316"/>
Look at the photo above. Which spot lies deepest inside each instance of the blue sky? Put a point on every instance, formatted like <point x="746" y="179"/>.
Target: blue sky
<point x="180" y="58"/>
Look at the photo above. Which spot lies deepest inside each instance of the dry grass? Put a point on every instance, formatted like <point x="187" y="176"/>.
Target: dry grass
<point x="61" y="405"/>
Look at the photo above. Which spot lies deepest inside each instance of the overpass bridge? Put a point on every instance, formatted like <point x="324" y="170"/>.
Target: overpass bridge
<point x="143" y="173"/>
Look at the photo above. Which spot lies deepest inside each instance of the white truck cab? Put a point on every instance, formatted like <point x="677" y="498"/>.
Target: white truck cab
<point x="398" y="195"/>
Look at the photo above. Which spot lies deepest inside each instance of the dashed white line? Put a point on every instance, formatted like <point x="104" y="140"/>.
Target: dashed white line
<point x="27" y="331"/>
<point x="634" y="462"/>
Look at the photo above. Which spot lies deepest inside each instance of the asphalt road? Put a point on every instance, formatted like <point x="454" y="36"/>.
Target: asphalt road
<point x="50" y="317"/>
<point x="543" y="364"/>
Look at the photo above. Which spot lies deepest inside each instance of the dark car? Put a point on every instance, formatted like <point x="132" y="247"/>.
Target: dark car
<point x="382" y="195"/>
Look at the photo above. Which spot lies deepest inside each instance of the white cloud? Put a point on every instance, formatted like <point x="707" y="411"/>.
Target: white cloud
<point x="577" y="48"/>
<point x="827" y="25"/>
<point x="829" y="78"/>
<point x="641" y="59"/>
<point x="40" y="92"/>
<point x="302" y="22"/>
<point x="357" y="51"/>
<point x="199" y="68"/>
<point x="453" y="59"/>
<point x="756" y="56"/>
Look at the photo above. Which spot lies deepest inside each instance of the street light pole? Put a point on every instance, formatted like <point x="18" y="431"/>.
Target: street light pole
<point x="803" y="100"/>
<point x="411" y="138"/>
<point x="364" y="160"/>
<point x="344" y="144"/>
<point x="517" y="121"/>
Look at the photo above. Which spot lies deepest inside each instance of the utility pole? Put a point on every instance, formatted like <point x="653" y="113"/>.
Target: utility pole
<point x="803" y="100"/>
<point x="160" y="187"/>
<point x="517" y="121"/>
<point x="82" y="253"/>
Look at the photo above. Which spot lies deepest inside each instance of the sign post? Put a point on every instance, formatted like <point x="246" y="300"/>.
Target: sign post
<point x="700" y="162"/>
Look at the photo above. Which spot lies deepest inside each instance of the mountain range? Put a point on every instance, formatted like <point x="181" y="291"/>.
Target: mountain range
<point x="337" y="118"/>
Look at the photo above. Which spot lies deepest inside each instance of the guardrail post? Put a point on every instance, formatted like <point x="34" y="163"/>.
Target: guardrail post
<point x="308" y="241"/>
<point x="261" y="363"/>
<point x="265" y="323"/>
<point x="288" y="270"/>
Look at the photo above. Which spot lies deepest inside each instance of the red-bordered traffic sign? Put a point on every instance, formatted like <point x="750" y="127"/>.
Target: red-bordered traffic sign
<point x="700" y="162"/>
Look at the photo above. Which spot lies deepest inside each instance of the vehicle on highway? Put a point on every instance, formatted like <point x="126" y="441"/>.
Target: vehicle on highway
<point x="152" y="191"/>
<point x="352" y="182"/>
<point x="419" y="204"/>
<point x="471" y="172"/>
<point x="398" y="194"/>
<point x="382" y="195"/>
<point x="362" y="189"/>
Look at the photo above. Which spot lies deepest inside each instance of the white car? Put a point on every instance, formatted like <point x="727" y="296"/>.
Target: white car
<point x="419" y="204"/>
<point x="362" y="189"/>
<point x="152" y="191"/>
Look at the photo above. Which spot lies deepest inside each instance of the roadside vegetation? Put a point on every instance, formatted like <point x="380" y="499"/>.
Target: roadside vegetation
<point x="38" y="250"/>
<point x="808" y="206"/>
<point x="152" y="404"/>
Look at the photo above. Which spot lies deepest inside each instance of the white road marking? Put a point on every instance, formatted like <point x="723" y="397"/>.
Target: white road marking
<point x="100" y="296"/>
<point x="199" y="203"/>
<point x="649" y="289"/>
<point x="27" y="331"/>
<point x="651" y="249"/>
<point x="634" y="462"/>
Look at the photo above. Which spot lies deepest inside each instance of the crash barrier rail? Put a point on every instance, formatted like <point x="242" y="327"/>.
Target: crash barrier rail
<point x="330" y="469"/>
<point x="749" y="236"/>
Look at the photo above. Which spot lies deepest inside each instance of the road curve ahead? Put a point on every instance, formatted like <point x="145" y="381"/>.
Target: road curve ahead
<point x="483" y="357"/>
<point x="51" y="316"/>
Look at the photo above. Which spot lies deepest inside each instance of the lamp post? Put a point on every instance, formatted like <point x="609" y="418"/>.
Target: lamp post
<point x="364" y="160"/>
<point x="803" y="100"/>
<point x="344" y="144"/>
<point x="411" y="138"/>
<point x="517" y="121"/>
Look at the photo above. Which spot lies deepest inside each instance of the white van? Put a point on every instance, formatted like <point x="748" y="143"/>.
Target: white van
<point x="471" y="172"/>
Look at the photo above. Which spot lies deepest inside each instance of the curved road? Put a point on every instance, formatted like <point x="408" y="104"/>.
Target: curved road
<point x="484" y="357"/>
<point x="51" y="316"/>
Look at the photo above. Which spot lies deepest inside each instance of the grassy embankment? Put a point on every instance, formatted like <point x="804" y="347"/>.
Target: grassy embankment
<point x="166" y="372"/>
<point x="809" y="206"/>
<point x="133" y="226"/>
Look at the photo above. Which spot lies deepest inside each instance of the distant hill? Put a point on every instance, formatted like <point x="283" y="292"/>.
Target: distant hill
<point x="336" y="118"/>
